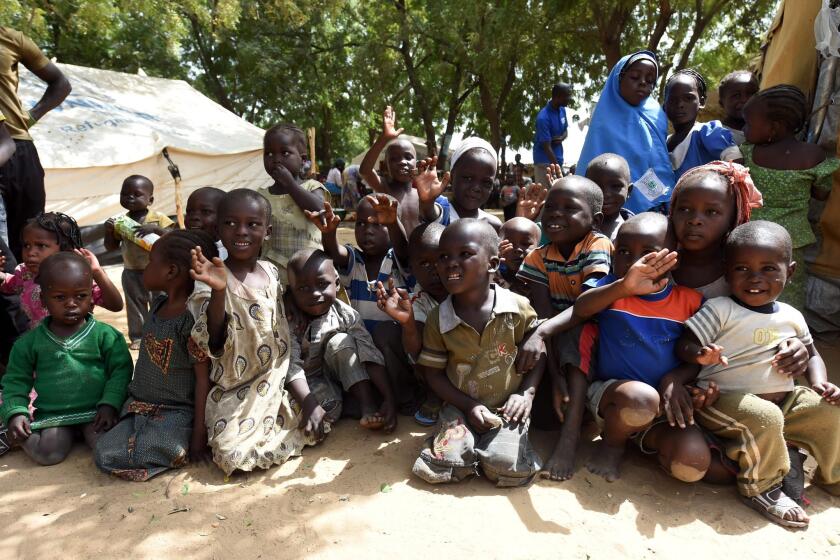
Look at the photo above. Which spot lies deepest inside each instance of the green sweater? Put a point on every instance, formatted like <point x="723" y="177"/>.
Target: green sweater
<point x="74" y="375"/>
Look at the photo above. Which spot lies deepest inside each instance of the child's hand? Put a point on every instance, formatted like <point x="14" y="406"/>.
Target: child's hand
<point x="199" y="452"/>
<point x="326" y="221"/>
<point x="385" y="207"/>
<point x="531" y="349"/>
<point x="553" y="172"/>
<point x="792" y="358"/>
<point x="389" y="122"/>
<point x="212" y="273"/>
<point x="828" y="391"/>
<point x="105" y="419"/>
<point x="518" y="407"/>
<point x="110" y="230"/>
<point x="396" y="302"/>
<point x="282" y="176"/>
<point x="676" y="402"/>
<point x="712" y="355"/>
<point x="426" y="182"/>
<point x="19" y="429"/>
<point x="91" y="259"/>
<point x="507" y="252"/>
<point x="702" y="399"/>
<point x="312" y="420"/>
<point x="2" y="262"/>
<point x="145" y="229"/>
<point x="531" y="200"/>
<point x="389" y="416"/>
<point x="482" y="420"/>
<point x="648" y="275"/>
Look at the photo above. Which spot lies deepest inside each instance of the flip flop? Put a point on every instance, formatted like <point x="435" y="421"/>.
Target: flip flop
<point x="775" y="509"/>
<point x="424" y="420"/>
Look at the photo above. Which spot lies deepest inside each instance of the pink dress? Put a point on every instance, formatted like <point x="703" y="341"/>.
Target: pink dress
<point x="22" y="282"/>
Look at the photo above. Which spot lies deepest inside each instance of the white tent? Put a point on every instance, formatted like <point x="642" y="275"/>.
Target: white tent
<point x="113" y="125"/>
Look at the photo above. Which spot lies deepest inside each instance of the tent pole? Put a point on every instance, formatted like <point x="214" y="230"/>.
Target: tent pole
<point x="310" y="134"/>
<point x="176" y="176"/>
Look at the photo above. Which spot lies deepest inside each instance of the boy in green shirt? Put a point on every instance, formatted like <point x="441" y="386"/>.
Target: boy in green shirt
<point x="83" y="366"/>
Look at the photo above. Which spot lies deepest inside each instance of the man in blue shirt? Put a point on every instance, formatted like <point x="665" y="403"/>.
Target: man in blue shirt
<point x="552" y="129"/>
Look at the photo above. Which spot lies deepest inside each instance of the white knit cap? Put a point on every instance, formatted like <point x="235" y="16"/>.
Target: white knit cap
<point x="471" y="143"/>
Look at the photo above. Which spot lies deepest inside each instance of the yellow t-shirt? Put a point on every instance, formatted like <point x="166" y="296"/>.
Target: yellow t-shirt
<point x="16" y="47"/>
<point x="290" y="230"/>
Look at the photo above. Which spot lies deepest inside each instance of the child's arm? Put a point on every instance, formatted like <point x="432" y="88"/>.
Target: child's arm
<point x="18" y="381"/>
<point x="691" y="351"/>
<point x="385" y="207"/>
<point x="676" y="400"/>
<point x="118" y="371"/>
<point x="312" y="415"/>
<point x="198" y="441"/>
<point x="111" y="297"/>
<point x="396" y="302"/>
<point x="7" y="145"/>
<point x="818" y="377"/>
<point x="371" y="177"/>
<point x="429" y="187"/>
<point x="518" y="405"/>
<point x="534" y="344"/>
<point x="648" y="275"/>
<point x="286" y="183"/>
<point x="111" y="241"/>
<point x="327" y="222"/>
<point x="214" y="274"/>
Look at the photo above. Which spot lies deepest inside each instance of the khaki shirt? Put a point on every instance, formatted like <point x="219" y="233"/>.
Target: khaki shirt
<point x="15" y="47"/>
<point x="480" y="366"/>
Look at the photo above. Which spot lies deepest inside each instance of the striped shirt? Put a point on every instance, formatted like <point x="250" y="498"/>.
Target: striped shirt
<point x="362" y="291"/>
<point x="565" y="277"/>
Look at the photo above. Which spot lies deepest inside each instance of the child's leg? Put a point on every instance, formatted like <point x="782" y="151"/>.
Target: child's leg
<point x="341" y="362"/>
<point x="450" y="455"/>
<point x="407" y="391"/>
<point x="561" y="465"/>
<point x="753" y="428"/>
<point x="626" y="407"/>
<point x="812" y="423"/>
<point x="136" y="302"/>
<point x="506" y="455"/>
<point x="682" y="452"/>
<point x="50" y="446"/>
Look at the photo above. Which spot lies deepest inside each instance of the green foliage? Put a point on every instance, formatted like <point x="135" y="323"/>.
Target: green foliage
<point x="480" y="66"/>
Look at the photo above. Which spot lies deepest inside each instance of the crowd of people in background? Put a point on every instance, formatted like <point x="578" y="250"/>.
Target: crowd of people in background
<point x="657" y="293"/>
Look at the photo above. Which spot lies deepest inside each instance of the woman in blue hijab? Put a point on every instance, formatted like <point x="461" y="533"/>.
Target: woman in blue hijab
<point x="629" y="122"/>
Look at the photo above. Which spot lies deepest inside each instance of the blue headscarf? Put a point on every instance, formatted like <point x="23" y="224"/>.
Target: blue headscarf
<point x="638" y="134"/>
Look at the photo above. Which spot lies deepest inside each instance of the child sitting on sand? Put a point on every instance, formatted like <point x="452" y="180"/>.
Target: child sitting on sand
<point x="240" y="322"/>
<point x="83" y="367"/>
<point x="337" y="351"/>
<point x="760" y="410"/>
<point x="469" y="345"/>
<point x="162" y="422"/>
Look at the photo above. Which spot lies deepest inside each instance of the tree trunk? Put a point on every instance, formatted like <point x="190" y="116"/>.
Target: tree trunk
<point x="323" y="139"/>
<point x="701" y="21"/>
<point x="662" y="21"/>
<point x="456" y="101"/>
<point x="610" y="24"/>
<point x="214" y="82"/>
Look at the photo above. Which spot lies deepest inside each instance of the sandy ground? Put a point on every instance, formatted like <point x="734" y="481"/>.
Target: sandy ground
<point x="354" y="496"/>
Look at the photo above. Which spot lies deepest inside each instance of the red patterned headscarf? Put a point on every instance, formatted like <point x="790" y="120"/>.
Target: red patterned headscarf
<point x="740" y="183"/>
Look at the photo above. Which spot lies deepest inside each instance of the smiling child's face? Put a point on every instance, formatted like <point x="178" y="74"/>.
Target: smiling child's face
<point x="567" y="217"/>
<point x="614" y="181"/>
<point x="465" y="264"/>
<point x="202" y="212"/>
<point x="401" y="160"/>
<point x="758" y="273"/>
<point x="243" y="226"/>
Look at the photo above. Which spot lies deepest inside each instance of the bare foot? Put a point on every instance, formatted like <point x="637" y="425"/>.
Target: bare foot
<point x="372" y="421"/>
<point x="561" y="465"/>
<point x="605" y="460"/>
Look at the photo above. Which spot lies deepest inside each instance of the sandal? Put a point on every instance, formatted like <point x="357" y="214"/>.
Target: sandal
<point x="793" y="485"/>
<point x="775" y="506"/>
<point x="425" y="421"/>
<point x="5" y="442"/>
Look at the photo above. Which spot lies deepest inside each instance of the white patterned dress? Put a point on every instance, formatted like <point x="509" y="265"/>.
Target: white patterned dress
<point x="250" y="421"/>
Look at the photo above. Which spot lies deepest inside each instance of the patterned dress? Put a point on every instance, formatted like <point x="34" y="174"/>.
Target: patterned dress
<point x="787" y="194"/>
<point x="154" y="431"/>
<point x="250" y="420"/>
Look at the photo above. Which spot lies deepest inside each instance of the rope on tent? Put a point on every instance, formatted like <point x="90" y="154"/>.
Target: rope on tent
<point x="176" y="176"/>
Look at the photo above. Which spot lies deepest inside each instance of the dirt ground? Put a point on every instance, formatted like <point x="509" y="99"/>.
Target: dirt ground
<point x="354" y="497"/>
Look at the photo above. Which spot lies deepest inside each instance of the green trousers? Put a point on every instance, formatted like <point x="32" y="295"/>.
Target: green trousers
<point x="756" y="433"/>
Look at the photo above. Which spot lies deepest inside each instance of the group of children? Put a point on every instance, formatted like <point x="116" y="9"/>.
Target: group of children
<point x="644" y="293"/>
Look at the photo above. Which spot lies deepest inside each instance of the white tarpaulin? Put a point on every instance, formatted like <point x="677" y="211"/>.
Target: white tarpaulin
<point x="113" y="125"/>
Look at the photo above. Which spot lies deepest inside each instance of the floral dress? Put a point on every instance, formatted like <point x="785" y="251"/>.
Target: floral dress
<point x="250" y="420"/>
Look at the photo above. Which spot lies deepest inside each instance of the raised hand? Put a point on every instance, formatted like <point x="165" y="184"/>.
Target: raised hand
<point x="213" y="273"/>
<point x="326" y="221"/>
<point x="385" y="207"/>
<point x="712" y="355"/>
<point x="554" y="172"/>
<point x="531" y="200"/>
<point x="648" y="275"/>
<point x="389" y="122"/>
<point x="426" y="182"/>
<point x="88" y="255"/>
<point x="396" y="302"/>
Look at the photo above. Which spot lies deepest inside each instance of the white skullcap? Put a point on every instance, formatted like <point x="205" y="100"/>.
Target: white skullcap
<point x="471" y="143"/>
